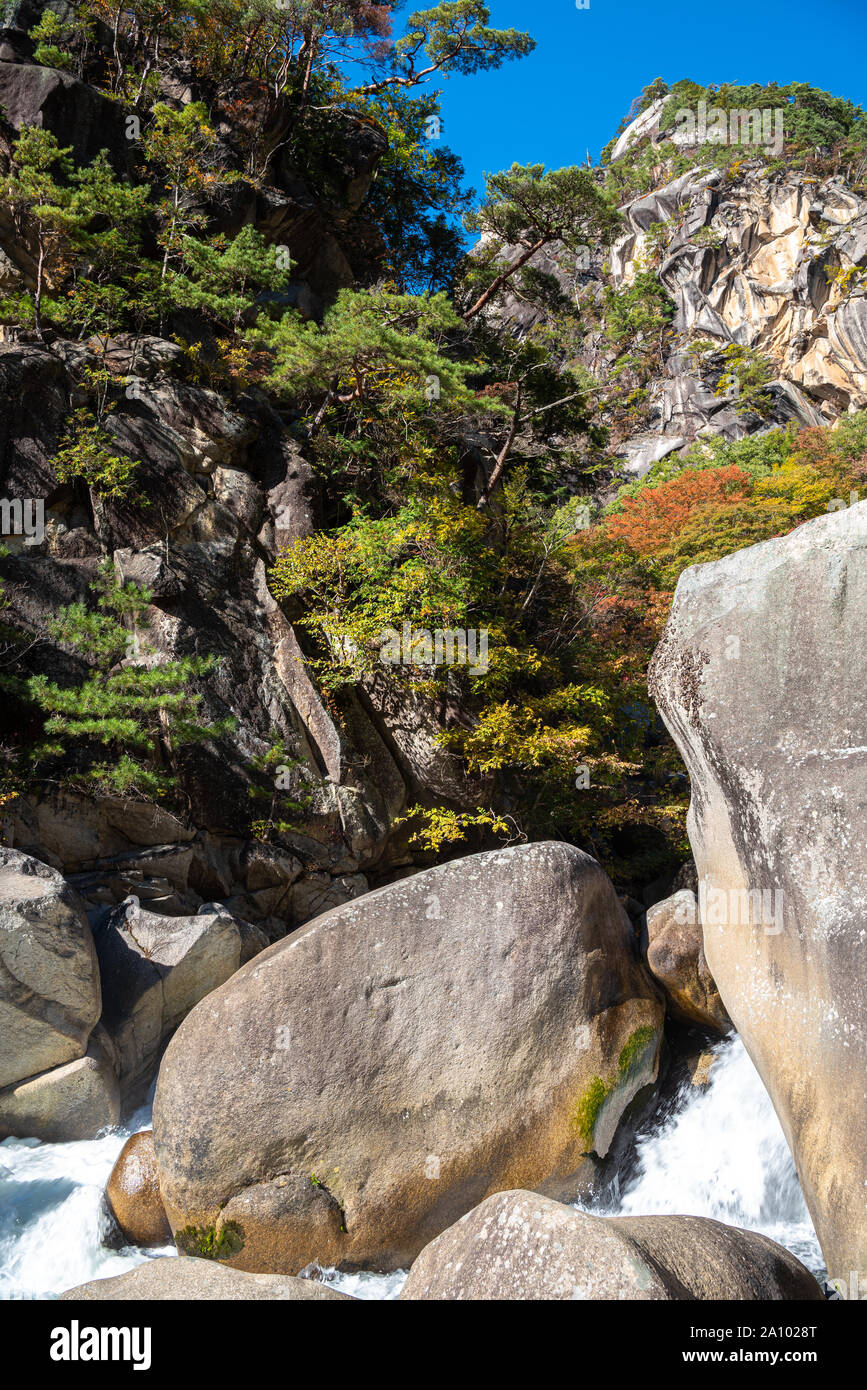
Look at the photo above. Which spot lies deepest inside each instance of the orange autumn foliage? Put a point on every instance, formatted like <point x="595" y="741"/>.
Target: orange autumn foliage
<point x="647" y="522"/>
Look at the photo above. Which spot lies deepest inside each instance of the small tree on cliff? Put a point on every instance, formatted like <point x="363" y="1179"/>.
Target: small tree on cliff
<point x="529" y="208"/>
<point x="83" y="225"/>
<point x="39" y="194"/>
<point x="182" y="147"/>
<point x="372" y="342"/>
<point x="223" y="279"/>
<point x="127" y="719"/>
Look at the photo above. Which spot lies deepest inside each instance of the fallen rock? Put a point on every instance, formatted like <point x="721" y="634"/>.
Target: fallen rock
<point x="154" y="970"/>
<point x="185" y="1279"/>
<point x="700" y="1068"/>
<point x="49" y="977"/>
<point x="480" y="1024"/>
<point x="675" y="957"/>
<point x="133" y="1193"/>
<point x="74" y="1101"/>
<point x="279" y="1222"/>
<point x="518" y="1245"/>
<point x="761" y="676"/>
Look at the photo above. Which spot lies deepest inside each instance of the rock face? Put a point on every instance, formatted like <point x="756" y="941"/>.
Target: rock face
<point x="71" y="1102"/>
<point x="154" y="970"/>
<point x="227" y="486"/>
<point x="518" y="1245"/>
<point x="79" y="114"/>
<point x="772" y="264"/>
<point x="482" y="1024"/>
<point x="49" y="979"/>
<point x="760" y="282"/>
<point x="761" y="677"/>
<point x="133" y="1193"/>
<point x="675" y="958"/>
<point x="185" y="1279"/>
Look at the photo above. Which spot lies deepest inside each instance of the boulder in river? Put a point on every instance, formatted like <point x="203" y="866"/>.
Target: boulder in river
<point x="49" y="977"/>
<point x="483" y="1024"/>
<point x="185" y="1280"/>
<point x="154" y="970"/>
<point x="761" y="677"/>
<point x="675" y="958"/>
<point x="133" y="1193"/>
<point x="520" y="1245"/>
<point x="71" y="1102"/>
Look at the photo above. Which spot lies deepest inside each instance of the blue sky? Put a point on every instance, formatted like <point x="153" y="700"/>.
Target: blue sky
<point x="569" y="96"/>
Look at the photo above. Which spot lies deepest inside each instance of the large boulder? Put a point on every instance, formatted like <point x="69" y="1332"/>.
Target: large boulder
<point x="133" y="1193"/>
<point x="185" y="1280"/>
<point x="518" y="1245"/>
<point x="79" y="115"/>
<point x="49" y="977"/>
<point x="74" y="1101"/>
<point x="482" y="1024"/>
<point x="761" y="677"/>
<point x="154" y="970"/>
<point x="675" y="958"/>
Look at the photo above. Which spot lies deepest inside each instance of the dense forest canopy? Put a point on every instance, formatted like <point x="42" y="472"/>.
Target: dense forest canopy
<point x="468" y="473"/>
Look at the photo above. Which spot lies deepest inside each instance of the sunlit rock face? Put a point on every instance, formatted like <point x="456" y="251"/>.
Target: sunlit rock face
<point x="779" y="272"/>
<point x="774" y="262"/>
<point x="761" y="677"/>
<point x="482" y="1025"/>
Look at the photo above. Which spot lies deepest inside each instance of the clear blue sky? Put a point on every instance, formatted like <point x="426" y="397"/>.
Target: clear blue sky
<point x="569" y="96"/>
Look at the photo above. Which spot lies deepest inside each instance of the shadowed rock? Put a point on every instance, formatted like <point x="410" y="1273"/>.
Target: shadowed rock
<point x="154" y="970"/>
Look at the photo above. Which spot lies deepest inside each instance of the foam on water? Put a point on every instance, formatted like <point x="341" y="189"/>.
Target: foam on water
<point x="721" y="1154"/>
<point x="52" y="1216"/>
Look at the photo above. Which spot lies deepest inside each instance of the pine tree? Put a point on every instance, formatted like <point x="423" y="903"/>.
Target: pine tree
<point x="530" y="209"/>
<point x="41" y="206"/>
<point x="369" y="341"/>
<point x="127" y="720"/>
<point x="85" y="227"/>
<point x="223" y="279"/>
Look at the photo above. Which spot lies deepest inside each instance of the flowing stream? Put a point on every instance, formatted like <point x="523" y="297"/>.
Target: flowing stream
<point x="720" y="1154"/>
<point x="723" y="1154"/>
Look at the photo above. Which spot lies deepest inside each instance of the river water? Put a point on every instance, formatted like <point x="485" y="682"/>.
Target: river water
<point x="721" y="1153"/>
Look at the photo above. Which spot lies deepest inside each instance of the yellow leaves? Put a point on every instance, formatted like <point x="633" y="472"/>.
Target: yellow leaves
<point x="441" y="825"/>
<point x="527" y="735"/>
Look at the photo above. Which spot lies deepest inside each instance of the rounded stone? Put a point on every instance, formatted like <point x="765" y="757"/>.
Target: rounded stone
<point x="133" y="1193"/>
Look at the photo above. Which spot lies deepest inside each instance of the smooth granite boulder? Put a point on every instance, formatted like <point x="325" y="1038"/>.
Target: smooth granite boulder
<point x="478" y="1025"/>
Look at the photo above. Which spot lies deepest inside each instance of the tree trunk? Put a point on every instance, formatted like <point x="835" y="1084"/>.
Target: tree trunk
<point x="502" y="279"/>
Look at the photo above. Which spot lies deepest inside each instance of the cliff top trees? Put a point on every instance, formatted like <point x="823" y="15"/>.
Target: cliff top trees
<point x="452" y="37"/>
<point x="281" y="43"/>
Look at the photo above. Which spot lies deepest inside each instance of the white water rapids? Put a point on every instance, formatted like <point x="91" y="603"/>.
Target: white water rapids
<point x="721" y="1154"/>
